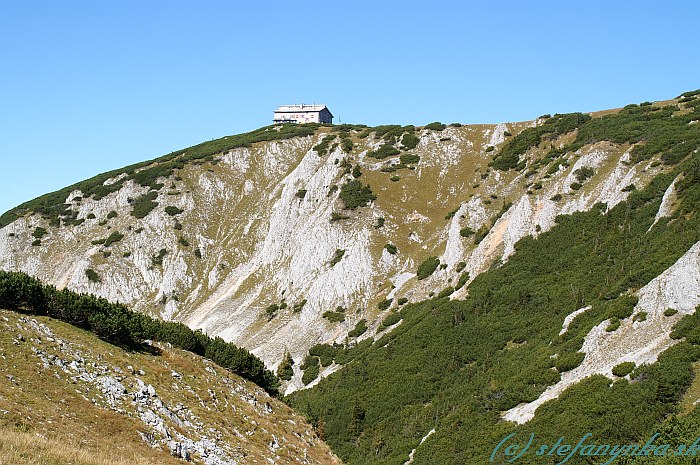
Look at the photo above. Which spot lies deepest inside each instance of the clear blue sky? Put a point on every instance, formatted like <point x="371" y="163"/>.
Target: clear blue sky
<point x="89" y="86"/>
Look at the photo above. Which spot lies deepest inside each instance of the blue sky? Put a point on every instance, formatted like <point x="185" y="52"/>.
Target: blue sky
<point x="90" y="86"/>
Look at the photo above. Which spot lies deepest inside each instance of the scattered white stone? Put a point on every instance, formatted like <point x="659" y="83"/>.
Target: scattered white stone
<point x="678" y="287"/>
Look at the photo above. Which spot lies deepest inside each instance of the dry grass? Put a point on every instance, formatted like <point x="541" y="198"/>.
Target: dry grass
<point x="48" y="418"/>
<point x="19" y="448"/>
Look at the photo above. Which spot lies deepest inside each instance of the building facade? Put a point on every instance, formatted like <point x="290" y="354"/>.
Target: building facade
<point x="302" y="113"/>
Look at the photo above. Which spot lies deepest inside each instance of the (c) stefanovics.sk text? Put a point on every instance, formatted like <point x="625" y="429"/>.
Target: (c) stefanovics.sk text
<point x="513" y="449"/>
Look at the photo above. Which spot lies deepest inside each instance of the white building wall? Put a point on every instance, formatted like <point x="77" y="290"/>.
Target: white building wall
<point x="301" y="117"/>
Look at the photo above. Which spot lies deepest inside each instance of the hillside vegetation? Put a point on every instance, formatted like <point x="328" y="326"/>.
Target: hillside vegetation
<point x="117" y="324"/>
<point x="52" y="206"/>
<point x="454" y="366"/>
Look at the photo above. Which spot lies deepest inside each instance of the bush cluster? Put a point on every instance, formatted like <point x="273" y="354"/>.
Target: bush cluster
<point x="117" y="324"/>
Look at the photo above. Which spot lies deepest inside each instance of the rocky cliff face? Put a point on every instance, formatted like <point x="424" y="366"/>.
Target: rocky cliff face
<point x="253" y="227"/>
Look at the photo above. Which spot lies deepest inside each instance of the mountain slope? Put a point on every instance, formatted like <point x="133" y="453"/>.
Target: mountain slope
<point x="457" y="367"/>
<point x="451" y="284"/>
<point x="573" y="334"/>
<point x="255" y="237"/>
<point x="68" y="397"/>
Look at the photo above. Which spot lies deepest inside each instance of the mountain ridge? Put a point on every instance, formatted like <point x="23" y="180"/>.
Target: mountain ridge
<point x="422" y="291"/>
<point x="219" y="233"/>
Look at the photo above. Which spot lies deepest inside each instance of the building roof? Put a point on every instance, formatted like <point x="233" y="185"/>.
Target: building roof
<point x="301" y="107"/>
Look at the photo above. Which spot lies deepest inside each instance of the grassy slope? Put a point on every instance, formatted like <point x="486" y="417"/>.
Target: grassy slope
<point x="48" y="418"/>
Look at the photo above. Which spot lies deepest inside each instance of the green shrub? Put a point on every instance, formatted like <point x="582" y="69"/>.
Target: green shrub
<point x="183" y="241"/>
<point x="379" y="223"/>
<point x="116" y="236"/>
<point x="310" y="374"/>
<point x="337" y="316"/>
<point x="354" y="194"/>
<point x="460" y="266"/>
<point x="298" y="306"/>
<point x="584" y="173"/>
<point x="384" y="304"/>
<point x="435" y="126"/>
<point x="409" y="158"/>
<point x="427" y="268"/>
<point x="383" y="152"/>
<point x="390" y="320"/>
<point x="157" y="260"/>
<point x="690" y="93"/>
<point x="490" y="148"/>
<point x="394" y="178"/>
<point x="463" y="278"/>
<point x="144" y="205"/>
<point x="90" y="216"/>
<point x="641" y="316"/>
<point x="309" y="361"/>
<point x="623" y="369"/>
<point x="568" y="361"/>
<point x="629" y="188"/>
<point x="575" y="186"/>
<point x="346" y="145"/>
<point x="670" y="312"/>
<point x="325" y="353"/>
<point x="466" y="231"/>
<point x="92" y="276"/>
<point x="285" y="371"/>
<point x="172" y="210"/>
<point x="481" y="233"/>
<point x="556" y="197"/>
<point x="322" y="147"/>
<point x="391" y="248"/>
<point x="451" y="214"/>
<point x="402" y="300"/>
<point x="614" y="324"/>
<point x="448" y="291"/>
<point x="622" y="307"/>
<point x="301" y="193"/>
<point x="271" y="311"/>
<point x="39" y="232"/>
<point x="687" y="327"/>
<point x="112" y="214"/>
<point x="359" y="329"/>
<point x="337" y="256"/>
<point x="356" y="172"/>
<point x="409" y="141"/>
<point x="335" y="216"/>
